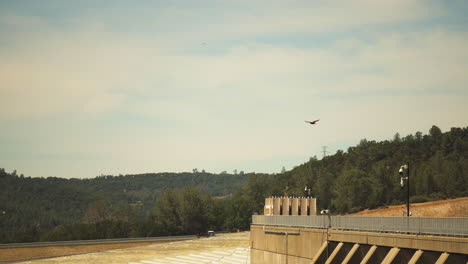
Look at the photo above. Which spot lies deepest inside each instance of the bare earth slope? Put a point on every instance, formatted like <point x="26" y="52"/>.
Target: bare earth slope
<point x="443" y="208"/>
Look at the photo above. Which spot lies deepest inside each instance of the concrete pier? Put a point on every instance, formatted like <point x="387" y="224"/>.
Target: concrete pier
<point x="290" y="206"/>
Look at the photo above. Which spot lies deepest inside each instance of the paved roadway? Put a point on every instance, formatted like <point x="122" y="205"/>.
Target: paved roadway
<point x="230" y="256"/>
<point x="221" y="249"/>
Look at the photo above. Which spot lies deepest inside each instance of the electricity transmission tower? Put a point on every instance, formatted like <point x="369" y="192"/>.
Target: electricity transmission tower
<point x="324" y="151"/>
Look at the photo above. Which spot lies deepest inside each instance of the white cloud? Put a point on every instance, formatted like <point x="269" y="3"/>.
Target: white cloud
<point x="262" y="18"/>
<point x="92" y="73"/>
<point x="72" y="71"/>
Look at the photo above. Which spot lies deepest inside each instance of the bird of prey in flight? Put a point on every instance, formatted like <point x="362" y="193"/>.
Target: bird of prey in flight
<point x="312" y="122"/>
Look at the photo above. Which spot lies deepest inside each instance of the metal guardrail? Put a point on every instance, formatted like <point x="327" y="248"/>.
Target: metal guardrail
<point x="448" y="226"/>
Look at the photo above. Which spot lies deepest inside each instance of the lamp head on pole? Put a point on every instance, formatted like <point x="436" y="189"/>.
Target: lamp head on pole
<point x="403" y="167"/>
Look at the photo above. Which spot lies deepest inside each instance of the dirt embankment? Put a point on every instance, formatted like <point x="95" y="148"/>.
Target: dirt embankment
<point x="443" y="208"/>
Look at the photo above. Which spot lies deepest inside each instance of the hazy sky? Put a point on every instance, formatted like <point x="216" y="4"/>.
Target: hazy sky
<point x="118" y="87"/>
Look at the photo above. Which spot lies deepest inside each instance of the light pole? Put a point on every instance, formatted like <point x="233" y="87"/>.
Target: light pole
<point x="327" y="212"/>
<point x="402" y="168"/>
<point x="306" y="192"/>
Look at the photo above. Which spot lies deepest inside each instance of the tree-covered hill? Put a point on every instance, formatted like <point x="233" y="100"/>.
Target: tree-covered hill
<point x="28" y="203"/>
<point x="366" y="176"/>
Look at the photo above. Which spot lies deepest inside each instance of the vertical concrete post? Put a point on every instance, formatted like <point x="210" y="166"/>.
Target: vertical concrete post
<point x="295" y="206"/>
<point x="268" y="206"/>
<point x="286" y="206"/>
<point x="276" y="206"/>
<point x="305" y="206"/>
<point x="313" y="206"/>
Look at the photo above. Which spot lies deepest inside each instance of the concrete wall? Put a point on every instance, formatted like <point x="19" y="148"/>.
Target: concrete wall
<point x="433" y="243"/>
<point x="271" y="244"/>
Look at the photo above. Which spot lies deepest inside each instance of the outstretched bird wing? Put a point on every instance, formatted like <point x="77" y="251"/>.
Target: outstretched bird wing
<point x="312" y="122"/>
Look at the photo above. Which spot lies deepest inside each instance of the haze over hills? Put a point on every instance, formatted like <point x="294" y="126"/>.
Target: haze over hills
<point x="364" y="176"/>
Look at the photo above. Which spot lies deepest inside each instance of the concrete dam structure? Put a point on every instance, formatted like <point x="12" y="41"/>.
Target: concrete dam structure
<point x="290" y="206"/>
<point x="306" y="239"/>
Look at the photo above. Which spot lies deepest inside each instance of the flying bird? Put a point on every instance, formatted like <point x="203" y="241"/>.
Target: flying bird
<point x="312" y="122"/>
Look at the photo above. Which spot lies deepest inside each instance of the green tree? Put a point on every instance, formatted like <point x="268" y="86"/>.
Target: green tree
<point x="239" y="213"/>
<point x="352" y="189"/>
<point x="167" y="214"/>
<point x="194" y="209"/>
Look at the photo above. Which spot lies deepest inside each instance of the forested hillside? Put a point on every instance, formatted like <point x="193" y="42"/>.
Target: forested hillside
<point x="364" y="176"/>
<point x="31" y="207"/>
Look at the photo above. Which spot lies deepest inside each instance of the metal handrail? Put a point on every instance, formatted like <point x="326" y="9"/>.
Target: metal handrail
<point x="447" y="226"/>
